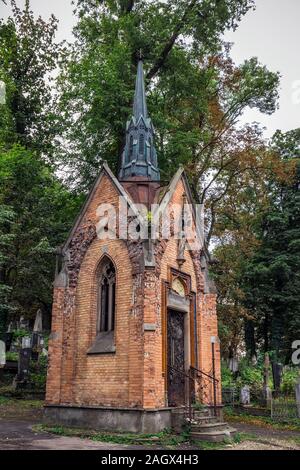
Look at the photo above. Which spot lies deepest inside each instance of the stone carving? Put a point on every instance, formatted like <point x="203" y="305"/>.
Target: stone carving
<point x="78" y="247"/>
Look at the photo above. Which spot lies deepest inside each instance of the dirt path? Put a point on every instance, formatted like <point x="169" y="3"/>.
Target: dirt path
<point x="19" y="435"/>
<point x="266" y="438"/>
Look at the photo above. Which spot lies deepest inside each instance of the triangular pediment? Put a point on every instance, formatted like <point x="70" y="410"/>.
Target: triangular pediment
<point x="105" y="171"/>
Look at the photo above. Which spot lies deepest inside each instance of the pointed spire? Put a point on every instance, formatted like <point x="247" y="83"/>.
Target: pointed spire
<point x="139" y="155"/>
<point x="139" y="104"/>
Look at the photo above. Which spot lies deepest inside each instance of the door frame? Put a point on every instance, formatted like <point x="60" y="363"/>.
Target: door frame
<point x="189" y="309"/>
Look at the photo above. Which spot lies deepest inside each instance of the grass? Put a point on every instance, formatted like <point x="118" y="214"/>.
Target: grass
<point x="237" y="439"/>
<point x="17" y="407"/>
<point x="262" y="421"/>
<point x="20" y="403"/>
<point x="164" y="439"/>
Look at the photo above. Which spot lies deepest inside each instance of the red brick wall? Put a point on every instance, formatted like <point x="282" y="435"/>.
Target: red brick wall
<point x="133" y="376"/>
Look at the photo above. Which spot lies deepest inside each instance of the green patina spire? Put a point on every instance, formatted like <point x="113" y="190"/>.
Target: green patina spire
<point x="140" y="104"/>
<point x="139" y="155"/>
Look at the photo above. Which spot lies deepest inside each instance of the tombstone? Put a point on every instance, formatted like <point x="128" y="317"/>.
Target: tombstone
<point x="8" y="337"/>
<point x="23" y="323"/>
<point x="26" y="342"/>
<point x="36" y="335"/>
<point x="233" y="364"/>
<point x="277" y="374"/>
<point x="254" y="360"/>
<point x="297" y="391"/>
<point x="2" y="358"/>
<point x="38" y="323"/>
<point x="245" y="395"/>
<point x="23" y="365"/>
<point x="268" y="396"/>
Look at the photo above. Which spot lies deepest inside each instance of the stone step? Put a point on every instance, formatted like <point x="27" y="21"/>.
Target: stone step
<point x="213" y="436"/>
<point x="204" y="412"/>
<point x="206" y="420"/>
<point x="209" y="427"/>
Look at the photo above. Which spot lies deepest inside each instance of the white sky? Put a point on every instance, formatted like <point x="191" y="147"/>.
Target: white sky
<point x="271" y="33"/>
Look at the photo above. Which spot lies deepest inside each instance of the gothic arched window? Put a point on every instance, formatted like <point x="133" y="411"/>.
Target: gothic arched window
<point x="106" y="296"/>
<point x="141" y="144"/>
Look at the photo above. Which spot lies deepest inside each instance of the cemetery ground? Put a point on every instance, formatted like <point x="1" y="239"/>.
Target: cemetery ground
<point x="21" y="427"/>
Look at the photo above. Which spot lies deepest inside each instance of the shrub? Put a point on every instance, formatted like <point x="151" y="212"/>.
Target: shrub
<point x="11" y="356"/>
<point x="227" y="376"/>
<point x="289" y="381"/>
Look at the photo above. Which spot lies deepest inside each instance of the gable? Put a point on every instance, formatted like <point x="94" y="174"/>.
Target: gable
<point x="178" y="186"/>
<point x="106" y="189"/>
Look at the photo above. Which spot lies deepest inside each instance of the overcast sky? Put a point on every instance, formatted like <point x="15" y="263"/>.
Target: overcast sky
<point x="271" y="33"/>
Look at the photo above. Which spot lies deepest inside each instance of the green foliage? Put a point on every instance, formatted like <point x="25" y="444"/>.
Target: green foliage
<point x="250" y="375"/>
<point x="19" y="334"/>
<point x="43" y="211"/>
<point x="38" y="374"/>
<point x="163" y="438"/>
<point x="195" y="92"/>
<point x="12" y="356"/>
<point x="36" y="210"/>
<point x="226" y="376"/>
<point x="289" y="380"/>
<point x="271" y="281"/>
<point x="28" y="54"/>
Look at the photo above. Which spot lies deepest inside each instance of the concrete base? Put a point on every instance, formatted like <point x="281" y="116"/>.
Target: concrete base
<point x="109" y="419"/>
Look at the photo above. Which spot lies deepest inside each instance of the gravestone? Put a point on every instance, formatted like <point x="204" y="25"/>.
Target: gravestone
<point x="35" y="345"/>
<point x="23" y="365"/>
<point x="2" y="354"/>
<point x="267" y="393"/>
<point x="8" y="340"/>
<point x="268" y="396"/>
<point x="38" y="323"/>
<point x="277" y="374"/>
<point x="23" y="323"/>
<point x="2" y="358"/>
<point x="233" y="364"/>
<point x="245" y="395"/>
<point x="36" y="335"/>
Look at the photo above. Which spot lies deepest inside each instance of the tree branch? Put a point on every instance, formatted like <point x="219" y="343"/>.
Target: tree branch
<point x="168" y="47"/>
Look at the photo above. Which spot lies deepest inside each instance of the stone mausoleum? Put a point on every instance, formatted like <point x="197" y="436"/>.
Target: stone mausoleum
<point x="134" y="326"/>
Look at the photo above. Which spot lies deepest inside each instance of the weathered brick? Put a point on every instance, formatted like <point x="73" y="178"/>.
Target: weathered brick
<point x="133" y="375"/>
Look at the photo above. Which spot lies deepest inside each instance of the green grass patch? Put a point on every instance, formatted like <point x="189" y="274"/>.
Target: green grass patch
<point x="163" y="439"/>
<point x="262" y="421"/>
<point x="16" y="403"/>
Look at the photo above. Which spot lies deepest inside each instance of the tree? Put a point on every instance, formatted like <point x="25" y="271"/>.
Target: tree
<point x="36" y="210"/>
<point x="196" y="95"/>
<point x="97" y="77"/>
<point x="28" y="55"/>
<point x="7" y="217"/>
<point x="272" y="282"/>
<point x="36" y="214"/>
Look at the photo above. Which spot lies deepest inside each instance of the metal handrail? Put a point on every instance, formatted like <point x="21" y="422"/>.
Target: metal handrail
<point x="204" y="373"/>
<point x="215" y="382"/>
<point x="190" y="377"/>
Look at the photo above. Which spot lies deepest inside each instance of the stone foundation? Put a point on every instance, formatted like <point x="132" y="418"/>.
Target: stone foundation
<point x="109" y="419"/>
